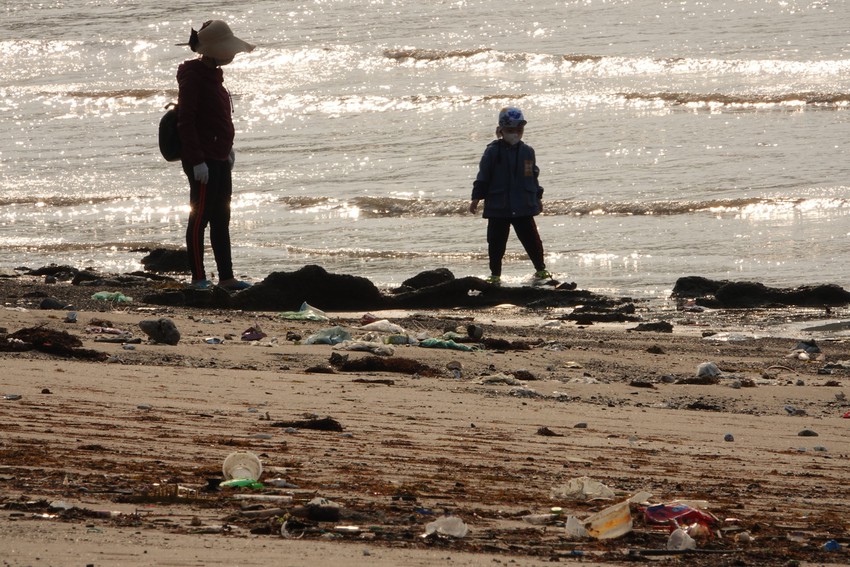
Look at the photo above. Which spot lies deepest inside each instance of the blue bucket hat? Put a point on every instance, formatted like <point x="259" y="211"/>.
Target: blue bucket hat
<point x="511" y="117"/>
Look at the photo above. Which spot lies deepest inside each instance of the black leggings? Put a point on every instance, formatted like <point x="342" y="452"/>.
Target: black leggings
<point x="498" y="230"/>
<point x="210" y="204"/>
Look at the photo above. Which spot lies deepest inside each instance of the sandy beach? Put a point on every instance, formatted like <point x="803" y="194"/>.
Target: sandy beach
<point x="109" y="460"/>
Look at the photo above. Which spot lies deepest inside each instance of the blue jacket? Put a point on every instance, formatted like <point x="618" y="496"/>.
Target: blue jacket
<point x="507" y="181"/>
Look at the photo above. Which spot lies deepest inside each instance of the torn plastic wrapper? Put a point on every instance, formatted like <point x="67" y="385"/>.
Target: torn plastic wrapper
<point x="671" y="516"/>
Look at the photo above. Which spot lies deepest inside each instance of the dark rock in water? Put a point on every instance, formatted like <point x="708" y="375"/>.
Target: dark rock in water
<point x="475" y="292"/>
<point x="215" y="298"/>
<point x="85" y="276"/>
<point x="286" y="291"/>
<point x="603" y="312"/>
<point x="755" y="294"/>
<point x="161" y="330"/>
<point x="429" y="278"/>
<point x="743" y="294"/>
<point x="696" y="286"/>
<point x="167" y="260"/>
<point x="63" y="273"/>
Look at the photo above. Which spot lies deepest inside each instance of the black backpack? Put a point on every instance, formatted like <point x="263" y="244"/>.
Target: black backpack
<point x="169" y="139"/>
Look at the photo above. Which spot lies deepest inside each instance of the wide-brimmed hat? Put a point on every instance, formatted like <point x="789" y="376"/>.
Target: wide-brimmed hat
<point x="215" y="39"/>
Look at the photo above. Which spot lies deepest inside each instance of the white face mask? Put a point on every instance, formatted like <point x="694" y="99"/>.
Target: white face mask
<point x="511" y="138"/>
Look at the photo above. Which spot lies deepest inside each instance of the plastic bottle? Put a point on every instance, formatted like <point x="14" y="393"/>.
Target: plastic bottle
<point x="680" y="540"/>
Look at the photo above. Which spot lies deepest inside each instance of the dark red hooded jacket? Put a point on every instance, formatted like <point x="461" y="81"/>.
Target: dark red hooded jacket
<point x="203" y="113"/>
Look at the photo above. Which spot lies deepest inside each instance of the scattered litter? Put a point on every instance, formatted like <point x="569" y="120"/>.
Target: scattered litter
<point x="379" y="349"/>
<point x="670" y="516"/>
<point x="582" y="488"/>
<point x="501" y="379"/>
<point x="161" y="330"/>
<point x="575" y="530"/>
<point x="680" y="540"/>
<point x="455" y="367"/>
<point x="242" y="465"/>
<point x="331" y="336"/>
<point x="448" y="526"/>
<point x="254" y="333"/>
<point x="708" y="370"/>
<point x="447" y="344"/>
<point x="609" y="523"/>
<point x="400" y="340"/>
<point x="543" y="519"/>
<point x="791" y="410"/>
<point x="384" y="326"/>
<point x="278" y="498"/>
<point x="305" y="313"/>
<point x="113" y="296"/>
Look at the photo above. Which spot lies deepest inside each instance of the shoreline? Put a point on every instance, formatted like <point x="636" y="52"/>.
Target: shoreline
<point x="99" y="436"/>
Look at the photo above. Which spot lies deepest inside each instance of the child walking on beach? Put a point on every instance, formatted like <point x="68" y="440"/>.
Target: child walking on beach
<point x="507" y="182"/>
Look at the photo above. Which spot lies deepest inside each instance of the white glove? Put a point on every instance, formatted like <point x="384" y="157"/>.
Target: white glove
<point x="231" y="159"/>
<point x="202" y="173"/>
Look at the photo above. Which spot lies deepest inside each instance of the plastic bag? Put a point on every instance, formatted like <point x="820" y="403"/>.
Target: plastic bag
<point x="331" y="336"/>
<point x="375" y="348"/>
<point x="582" y="488"/>
<point x="447" y="525"/>
<point x="438" y="343"/>
<point x="305" y="313"/>
<point x="384" y="326"/>
<point x="114" y="296"/>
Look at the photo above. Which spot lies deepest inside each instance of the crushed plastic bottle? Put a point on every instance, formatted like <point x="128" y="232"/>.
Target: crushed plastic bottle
<point x="680" y="540"/>
<point x="447" y="525"/>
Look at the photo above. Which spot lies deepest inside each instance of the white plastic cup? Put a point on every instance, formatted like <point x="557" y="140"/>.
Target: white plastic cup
<point x="242" y="465"/>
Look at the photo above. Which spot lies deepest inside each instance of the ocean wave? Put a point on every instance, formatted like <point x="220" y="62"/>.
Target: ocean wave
<point x="57" y="201"/>
<point x="119" y="93"/>
<point x="394" y="207"/>
<point x="720" y="99"/>
<point x="432" y="54"/>
<point x="372" y="254"/>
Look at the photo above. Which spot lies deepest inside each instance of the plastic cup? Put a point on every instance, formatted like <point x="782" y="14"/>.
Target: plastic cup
<point x="242" y="465"/>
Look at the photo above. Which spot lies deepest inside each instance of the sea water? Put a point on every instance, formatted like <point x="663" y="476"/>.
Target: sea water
<point x="674" y="138"/>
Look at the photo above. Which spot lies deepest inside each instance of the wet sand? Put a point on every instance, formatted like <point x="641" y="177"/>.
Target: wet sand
<point x="107" y="461"/>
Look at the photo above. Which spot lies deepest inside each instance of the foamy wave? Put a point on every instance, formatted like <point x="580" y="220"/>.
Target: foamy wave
<point x="369" y="254"/>
<point x="56" y="201"/>
<point x="394" y="207"/>
<point x="432" y="54"/>
<point x="719" y="99"/>
<point x="123" y="93"/>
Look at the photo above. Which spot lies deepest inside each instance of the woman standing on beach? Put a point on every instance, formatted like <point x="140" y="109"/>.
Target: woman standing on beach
<point x="206" y="134"/>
